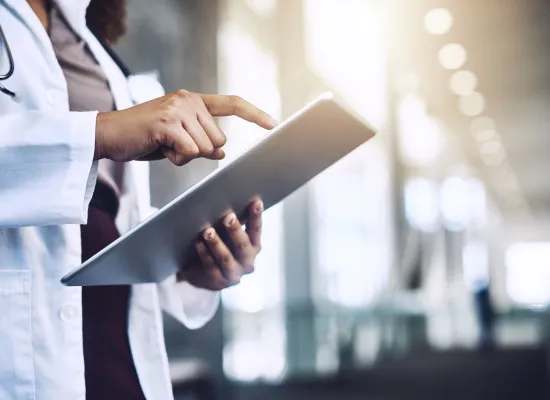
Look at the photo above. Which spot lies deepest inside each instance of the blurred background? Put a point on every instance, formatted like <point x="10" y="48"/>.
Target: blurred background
<point x="418" y="267"/>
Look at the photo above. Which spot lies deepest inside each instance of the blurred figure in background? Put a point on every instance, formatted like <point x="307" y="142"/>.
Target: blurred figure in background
<point x="486" y="316"/>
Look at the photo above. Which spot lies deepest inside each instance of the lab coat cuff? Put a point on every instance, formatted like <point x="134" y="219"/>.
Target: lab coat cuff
<point x="192" y="306"/>
<point x="79" y="185"/>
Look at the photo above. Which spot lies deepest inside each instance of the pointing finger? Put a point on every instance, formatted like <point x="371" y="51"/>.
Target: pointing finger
<point x="224" y="106"/>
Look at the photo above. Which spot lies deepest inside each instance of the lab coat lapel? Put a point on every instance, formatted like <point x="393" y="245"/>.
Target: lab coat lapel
<point x="73" y="10"/>
<point x="22" y="9"/>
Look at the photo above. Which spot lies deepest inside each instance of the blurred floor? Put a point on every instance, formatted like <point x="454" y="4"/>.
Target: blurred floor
<point x="502" y="375"/>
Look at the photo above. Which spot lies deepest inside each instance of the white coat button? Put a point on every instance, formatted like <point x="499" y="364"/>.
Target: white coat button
<point x="68" y="312"/>
<point x="55" y="97"/>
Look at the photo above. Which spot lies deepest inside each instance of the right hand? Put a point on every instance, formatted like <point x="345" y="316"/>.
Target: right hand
<point x="179" y="126"/>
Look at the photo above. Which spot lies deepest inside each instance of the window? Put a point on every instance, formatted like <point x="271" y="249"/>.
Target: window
<point x="254" y="314"/>
<point x="528" y="274"/>
<point x="351" y="225"/>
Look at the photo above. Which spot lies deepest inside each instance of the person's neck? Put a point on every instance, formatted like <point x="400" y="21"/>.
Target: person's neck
<point x="41" y="10"/>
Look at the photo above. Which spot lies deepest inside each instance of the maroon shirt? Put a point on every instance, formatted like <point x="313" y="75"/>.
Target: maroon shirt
<point x="109" y="367"/>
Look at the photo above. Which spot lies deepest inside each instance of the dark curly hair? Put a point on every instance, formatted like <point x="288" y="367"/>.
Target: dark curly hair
<point x="107" y="19"/>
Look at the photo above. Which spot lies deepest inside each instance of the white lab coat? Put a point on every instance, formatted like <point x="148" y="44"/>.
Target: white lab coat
<point x="46" y="180"/>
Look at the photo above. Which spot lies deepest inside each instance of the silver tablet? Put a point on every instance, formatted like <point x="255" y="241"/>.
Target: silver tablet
<point x="287" y="158"/>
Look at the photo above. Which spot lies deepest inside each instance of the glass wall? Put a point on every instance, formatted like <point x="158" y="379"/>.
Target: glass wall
<point x="254" y="313"/>
<point x="350" y="234"/>
<point x="403" y="235"/>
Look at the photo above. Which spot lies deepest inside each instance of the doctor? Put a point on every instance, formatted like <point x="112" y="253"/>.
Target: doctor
<point x="68" y="144"/>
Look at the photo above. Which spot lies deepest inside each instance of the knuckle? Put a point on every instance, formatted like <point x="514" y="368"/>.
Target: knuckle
<point x="192" y="152"/>
<point x="167" y="115"/>
<point x="232" y="274"/>
<point x="196" y="97"/>
<point x="201" y="249"/>
<point x="241" y="245"/>
<point x="233" y="99"/>
<point x="225" y="261"/>
<point x="207" y="150"/>
<point x="182" y="94"/>
<point x="233" y="228"/>
<point x="219" y="285"/>
<point x="235" y="102"/>
<point x="158" y="136"/>
<point x="234" y="279"/>
<point x="249" y="269"/>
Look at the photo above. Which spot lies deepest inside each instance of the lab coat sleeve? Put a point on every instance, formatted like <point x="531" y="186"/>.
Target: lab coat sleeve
<point x="191" y="306"/>
<point x="47" y="173"/>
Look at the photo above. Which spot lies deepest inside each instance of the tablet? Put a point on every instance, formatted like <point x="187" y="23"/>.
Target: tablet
<point x="287" y="158"/>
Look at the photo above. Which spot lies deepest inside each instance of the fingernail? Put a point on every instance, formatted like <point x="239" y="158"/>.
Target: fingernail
<point x="259" y="207"/>
<point x="209" y="234"/>
<point x="273" y="122"/>
<point x="230" y="219"/>
<point x="200" y="245"/>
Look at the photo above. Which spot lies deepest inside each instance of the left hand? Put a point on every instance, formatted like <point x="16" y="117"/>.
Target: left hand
<point x="221" y="264"/>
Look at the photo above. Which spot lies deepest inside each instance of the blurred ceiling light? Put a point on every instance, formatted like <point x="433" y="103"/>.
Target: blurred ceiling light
<point x="412" y="106"/>
<point x="486" y="134"/>
<point x="472" y="104"/>
<point x="438" y="21"/>
<point x="463" y="83"/>
<point x="492" y="147"/>
<point x="263" y="7"/>
<point x="477" y="203"/>
<point x="407" y="83"/>
<point x="494" y="159"/>
<point x="513" y="200"/>
<point x="421" y="204"/>
<point x="505" y="184"/>
<point x="422" y="138"/>
<point x="505" y="177"/>
<point x="332" y="53"/>
<point x="454" y="203"/>
<point x="481" y="124"/>
<point x="452" y="56"/>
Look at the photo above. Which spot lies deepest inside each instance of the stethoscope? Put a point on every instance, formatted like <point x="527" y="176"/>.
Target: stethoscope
<point x="11" y="65"/>
<point x="118" y="61"/>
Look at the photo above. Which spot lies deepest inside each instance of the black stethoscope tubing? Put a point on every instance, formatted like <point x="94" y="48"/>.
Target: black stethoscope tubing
<point x="11" y="68"/>
<point x="118" y="61"/>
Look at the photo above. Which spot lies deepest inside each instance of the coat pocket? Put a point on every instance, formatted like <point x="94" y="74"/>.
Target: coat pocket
<point x="16" y="349"/>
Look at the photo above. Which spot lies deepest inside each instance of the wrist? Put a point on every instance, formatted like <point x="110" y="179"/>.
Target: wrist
<point x="99" y="152"/>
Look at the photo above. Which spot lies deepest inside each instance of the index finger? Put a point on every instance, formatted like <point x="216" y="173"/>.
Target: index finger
<point x="224" y="106"/>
